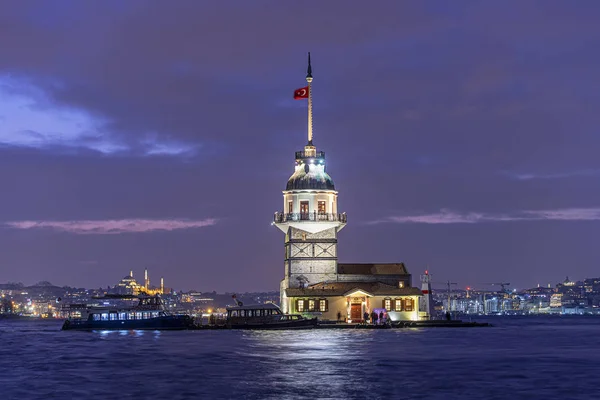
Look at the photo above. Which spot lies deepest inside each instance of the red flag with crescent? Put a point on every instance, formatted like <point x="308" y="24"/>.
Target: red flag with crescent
<point x="301" y="93"/>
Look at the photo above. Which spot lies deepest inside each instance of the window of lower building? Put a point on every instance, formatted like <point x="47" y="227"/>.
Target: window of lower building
<point x="113" y="316"/>
<point x="401" y="284"/>
<point x="387" y="304"/>
<point x="290" y="207"/>
<point x="300" y="306"/>
<point x="104" y="317"/>
<point x="311" y="305"/>
<point x="322" y="305"/>
<point x="408" y="304"/>
<point x="398" y="304"/>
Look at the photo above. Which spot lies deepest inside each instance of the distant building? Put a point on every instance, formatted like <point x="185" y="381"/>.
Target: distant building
<point x="556" y="300"/>
<point x="129" y="286"/>
<point x="6" y="306"/>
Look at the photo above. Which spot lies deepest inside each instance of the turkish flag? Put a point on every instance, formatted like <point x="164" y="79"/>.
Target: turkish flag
<point x="301" y="93"/>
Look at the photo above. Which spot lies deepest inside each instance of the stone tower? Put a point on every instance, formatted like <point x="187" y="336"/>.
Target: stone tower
<point x="310" y="218"/>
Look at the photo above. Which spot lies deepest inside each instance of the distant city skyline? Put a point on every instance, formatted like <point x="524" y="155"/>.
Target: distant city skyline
<point x="438" y="286"/>
<point x="461" y="139"/>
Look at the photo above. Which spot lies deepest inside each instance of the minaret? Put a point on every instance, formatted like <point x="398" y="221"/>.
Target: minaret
<point x="162" y="285"/>
<point x="146" y="280"/>
<point x="310" y="218"/>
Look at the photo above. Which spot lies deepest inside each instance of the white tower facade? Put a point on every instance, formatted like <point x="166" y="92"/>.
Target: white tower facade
<point x="310" y="219"/>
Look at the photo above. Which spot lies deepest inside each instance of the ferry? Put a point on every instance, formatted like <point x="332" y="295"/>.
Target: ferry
<point x="149" y="314"/>
<point x="265" y="316"/>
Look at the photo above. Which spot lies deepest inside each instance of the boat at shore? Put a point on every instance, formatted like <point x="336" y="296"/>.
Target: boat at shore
<point x="149" y="314"/>
<point x="265" y="316"/>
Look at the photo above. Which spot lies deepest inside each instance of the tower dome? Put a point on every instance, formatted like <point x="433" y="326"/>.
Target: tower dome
<point x="310" y="173"/>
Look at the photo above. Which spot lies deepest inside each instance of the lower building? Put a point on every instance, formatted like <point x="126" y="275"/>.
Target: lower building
<point x="349" y="301"/>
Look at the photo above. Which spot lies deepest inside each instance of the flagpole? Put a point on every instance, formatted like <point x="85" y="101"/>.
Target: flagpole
<point x="309" y="79"/>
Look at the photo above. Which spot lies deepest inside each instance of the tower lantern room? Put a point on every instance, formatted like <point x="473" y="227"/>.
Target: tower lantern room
<point x="310" y="198"/>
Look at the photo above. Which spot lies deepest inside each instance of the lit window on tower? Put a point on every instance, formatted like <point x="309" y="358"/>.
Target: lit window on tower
<point x="322" y="208"/>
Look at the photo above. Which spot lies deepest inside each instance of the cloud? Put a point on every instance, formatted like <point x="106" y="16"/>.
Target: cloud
<point x="558" y="175"/>
<point x="454" y="217"/>
<point x="115" y="226"/>
<point x="33" y="121"/>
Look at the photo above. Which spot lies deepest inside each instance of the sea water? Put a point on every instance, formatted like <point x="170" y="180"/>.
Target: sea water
<point x="518" y="358"/>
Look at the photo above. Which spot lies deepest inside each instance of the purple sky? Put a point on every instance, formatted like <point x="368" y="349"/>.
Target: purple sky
<point x="160" y="135"/>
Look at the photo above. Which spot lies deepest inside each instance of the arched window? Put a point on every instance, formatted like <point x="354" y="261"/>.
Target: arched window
<point x="323" y="306"/>
<point x="387" y="304"/>
<point x="398" y="305"/>
<point x="408" y="305"/>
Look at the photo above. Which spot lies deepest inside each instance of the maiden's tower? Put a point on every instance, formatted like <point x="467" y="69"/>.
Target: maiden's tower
<point x="314" y="282"/>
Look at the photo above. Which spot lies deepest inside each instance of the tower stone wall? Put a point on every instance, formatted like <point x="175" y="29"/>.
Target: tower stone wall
<point x="310" y="257"/>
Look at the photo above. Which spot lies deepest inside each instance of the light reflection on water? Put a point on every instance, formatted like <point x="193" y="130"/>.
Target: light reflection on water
<point x="517" y="359"/>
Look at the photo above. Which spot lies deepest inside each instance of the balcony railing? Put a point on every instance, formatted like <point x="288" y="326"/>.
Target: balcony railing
<point x="309" y="154"/>
<point x="281" y="217"/>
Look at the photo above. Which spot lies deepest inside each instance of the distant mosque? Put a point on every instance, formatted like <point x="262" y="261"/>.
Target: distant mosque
<point x="314" y="282"/>
<point x="128" y="285"/>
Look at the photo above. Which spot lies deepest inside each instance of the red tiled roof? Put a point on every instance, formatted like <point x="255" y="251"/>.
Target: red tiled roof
<point x="326" y="289"/>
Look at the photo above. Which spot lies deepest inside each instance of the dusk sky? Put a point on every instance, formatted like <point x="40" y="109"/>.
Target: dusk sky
<point x="461" y="135"/>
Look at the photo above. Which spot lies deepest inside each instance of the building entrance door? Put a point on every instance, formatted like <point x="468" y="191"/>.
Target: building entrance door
<point x="304" y="210"/>
<point x="356" y="312"/>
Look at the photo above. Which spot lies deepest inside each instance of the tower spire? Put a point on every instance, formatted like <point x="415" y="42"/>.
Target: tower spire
<point x="309" y="79"/>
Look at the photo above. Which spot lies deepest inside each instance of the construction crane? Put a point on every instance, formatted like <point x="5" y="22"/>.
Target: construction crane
<point x="448" y="284"/>
<point x="503" y="285"/>
<point x="504" y="291"/>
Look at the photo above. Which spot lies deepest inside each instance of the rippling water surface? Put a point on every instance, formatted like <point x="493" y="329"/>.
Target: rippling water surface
<point x="518" y="358"/>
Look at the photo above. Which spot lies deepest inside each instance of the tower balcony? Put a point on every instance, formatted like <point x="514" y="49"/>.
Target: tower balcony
<point x="311" y="222"/>
<point x="281" y="217"/>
